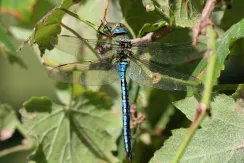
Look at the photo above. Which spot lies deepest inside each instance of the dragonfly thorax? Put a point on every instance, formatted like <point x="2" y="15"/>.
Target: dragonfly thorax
<point x="124" y="48"/>
<point x="119" y="30"/>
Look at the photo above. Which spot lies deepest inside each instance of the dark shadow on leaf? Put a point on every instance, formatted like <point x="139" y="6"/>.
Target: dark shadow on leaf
<point x="38" y="155"/>
<point x="37" y="104"/>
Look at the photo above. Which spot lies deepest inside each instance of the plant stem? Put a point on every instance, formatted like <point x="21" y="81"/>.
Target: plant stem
<point x="71" y="97"/>
<point x="188" y="137"/>
<point x="49" y="63"/>
<point x="209" y="82"/>
<point x="204" y="105"/>
<point x="94" y="26"/>
<point x="22" y="130"/>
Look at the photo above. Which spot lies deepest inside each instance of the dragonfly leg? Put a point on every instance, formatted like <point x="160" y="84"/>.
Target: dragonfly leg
<point x="106" y="29"/>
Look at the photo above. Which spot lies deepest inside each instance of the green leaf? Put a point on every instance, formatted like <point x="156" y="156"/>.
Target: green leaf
<point x="38" y="104"/>
<point x="230" y="37"/>
<point x="162" y="7"/>
<point x="150" y="28"/>
<point x="220" y="138"/>
<point x="180" y="13"/>
<point x="86" y="132"/>
<point x="187" y="13"/>
<point x="63" y="92"/>
<point x="8" y="121"/>
<point x="8" y="50"/>
<point x="5" y="41"/>
<point x="97" y="98"/>
<point x="19" y="9"/>
<point x="49" y="27"/>
<point x="136" y="15"/>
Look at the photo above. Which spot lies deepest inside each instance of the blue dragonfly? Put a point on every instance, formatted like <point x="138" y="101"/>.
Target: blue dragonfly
<point x="118" y="57"/>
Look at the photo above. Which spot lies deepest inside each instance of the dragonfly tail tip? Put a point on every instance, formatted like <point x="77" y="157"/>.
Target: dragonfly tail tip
<point x="129" y="156"/>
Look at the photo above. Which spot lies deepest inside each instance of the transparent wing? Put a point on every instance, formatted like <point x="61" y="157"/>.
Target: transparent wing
<point x="167" y="53"/>
<point x="77" y="47"/>
<point x="85" y="73"/>
<point x="156" y="76"/>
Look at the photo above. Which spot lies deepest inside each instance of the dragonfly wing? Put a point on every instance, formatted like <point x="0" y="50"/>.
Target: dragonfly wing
<point x="67" y="44"/>
<point x="78" y="47"/>
<point x="156" y="76"/>
<point x="176" y="53"/>
<point x="85" y="73"/>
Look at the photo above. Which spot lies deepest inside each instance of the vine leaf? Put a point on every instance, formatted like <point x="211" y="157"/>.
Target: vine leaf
<point x="179" y="12"/>
<point x="85" y="133"/>
<point x="8" y="121"/>
<point x="219" y="139"/>
<point x="187" y="13"/>
<point x="151" y="27"/>
<point x="48" y="27"/>
<point x="231" y="36"/>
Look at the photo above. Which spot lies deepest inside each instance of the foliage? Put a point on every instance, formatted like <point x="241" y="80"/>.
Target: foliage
<point x="74" y="123"/>
<point x="222" y="131"/>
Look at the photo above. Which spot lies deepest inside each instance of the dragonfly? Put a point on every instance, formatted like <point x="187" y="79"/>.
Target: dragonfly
<point x="119" y="57"/>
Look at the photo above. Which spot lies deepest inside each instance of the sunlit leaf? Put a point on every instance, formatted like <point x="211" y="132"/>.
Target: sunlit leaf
<point x="220" y="138"/>
<point x="187" y="13"/>
<point x="49" y="27"/>
<point x="230" y="37"/>
<point x="180" y="12"/>
<point x="86" y="132"/>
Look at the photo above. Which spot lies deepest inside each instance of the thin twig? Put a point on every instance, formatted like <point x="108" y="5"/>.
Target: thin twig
<point x="105" y="11"/>
<point x="204" y="21"/>
<point x="152" y="36"/>
<point x="71" y="96"/>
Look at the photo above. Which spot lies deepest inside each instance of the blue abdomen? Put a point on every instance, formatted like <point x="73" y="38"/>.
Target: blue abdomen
<point x="122" y="67"/>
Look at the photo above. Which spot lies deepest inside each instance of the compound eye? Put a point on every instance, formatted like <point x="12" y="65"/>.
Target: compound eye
<point x="119" y="25"/>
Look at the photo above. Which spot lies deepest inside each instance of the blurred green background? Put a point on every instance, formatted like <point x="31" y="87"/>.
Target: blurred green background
<point x="18" y="84"/>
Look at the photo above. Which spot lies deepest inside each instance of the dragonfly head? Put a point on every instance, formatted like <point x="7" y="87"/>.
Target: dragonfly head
<point x="119" y="30"/>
